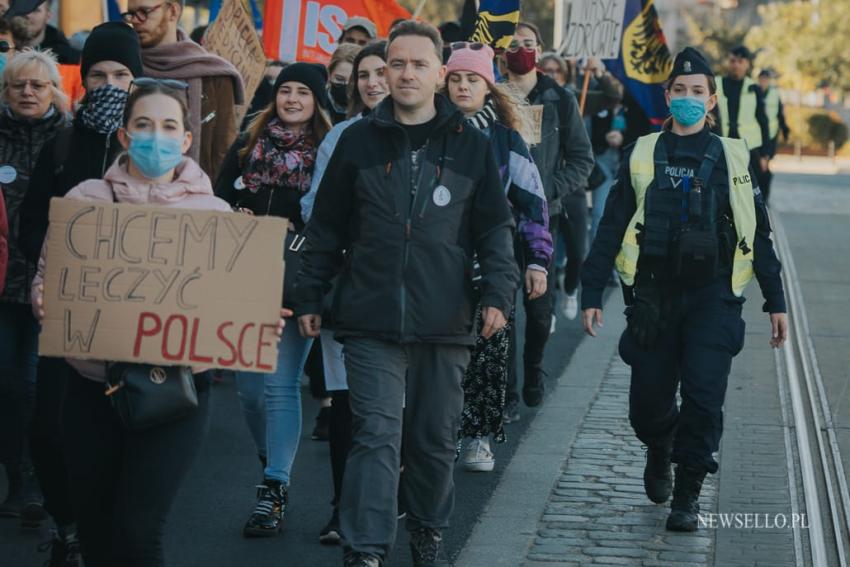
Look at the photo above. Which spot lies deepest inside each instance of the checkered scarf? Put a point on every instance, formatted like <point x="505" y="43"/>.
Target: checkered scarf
<point x="103" y="110"/>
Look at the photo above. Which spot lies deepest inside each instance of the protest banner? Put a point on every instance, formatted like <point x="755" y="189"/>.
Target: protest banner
<point x="589" y="28"/>
<point x="162" y="286"/>
<point x="233" y="37"/>
<point x="295" y="30"/>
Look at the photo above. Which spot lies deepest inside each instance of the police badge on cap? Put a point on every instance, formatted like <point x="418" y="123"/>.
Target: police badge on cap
<point x="690" y="62"/>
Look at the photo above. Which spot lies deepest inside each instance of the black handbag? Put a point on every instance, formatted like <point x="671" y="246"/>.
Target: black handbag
<point x="146" y="395"/>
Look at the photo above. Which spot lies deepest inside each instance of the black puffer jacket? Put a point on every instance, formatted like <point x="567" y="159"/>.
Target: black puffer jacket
<point x="20" y="143"/>
<point x="74" y="155"/>
<point x="407" y="276"/>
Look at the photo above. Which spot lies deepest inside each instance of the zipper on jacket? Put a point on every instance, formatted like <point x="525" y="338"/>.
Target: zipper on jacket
<point x="105" y="154"/>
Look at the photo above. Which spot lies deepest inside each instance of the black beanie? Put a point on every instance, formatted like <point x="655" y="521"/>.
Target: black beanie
<point x="112" y="41"/>
<point x="690" y="62"/>
<point x="313" y="75"/>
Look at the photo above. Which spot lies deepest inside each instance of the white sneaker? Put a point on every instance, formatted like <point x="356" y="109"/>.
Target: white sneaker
<point x="571" y="306"/>
<point x="552" y="324"/>
<point x="479" y="457"/>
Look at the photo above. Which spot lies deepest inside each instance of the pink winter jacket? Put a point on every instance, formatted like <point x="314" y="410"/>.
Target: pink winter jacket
<point x="190" y="190"/>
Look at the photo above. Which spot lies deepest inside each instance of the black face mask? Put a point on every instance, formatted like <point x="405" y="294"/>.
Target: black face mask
<point x="339" y="94"/>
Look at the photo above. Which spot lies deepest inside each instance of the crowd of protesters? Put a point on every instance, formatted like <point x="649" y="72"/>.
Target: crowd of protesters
<point x="431" y="187"/>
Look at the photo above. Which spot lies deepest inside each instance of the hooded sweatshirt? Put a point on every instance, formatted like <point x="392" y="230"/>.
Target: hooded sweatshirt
<point x="191" y="189"/>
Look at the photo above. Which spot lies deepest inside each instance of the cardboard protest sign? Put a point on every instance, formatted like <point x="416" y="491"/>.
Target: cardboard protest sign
<point x="589" y="28"/>
<point x="233" y="37"/>
<point x="532" y="131"/>
<point x="162" y="285"/>
<point x="299" y="30"/>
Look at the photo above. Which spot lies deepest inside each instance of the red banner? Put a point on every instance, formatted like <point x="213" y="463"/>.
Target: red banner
<point x="308" y="30"/>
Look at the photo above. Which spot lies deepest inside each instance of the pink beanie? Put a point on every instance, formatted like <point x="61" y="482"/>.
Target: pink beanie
<point x="478" y="61"/>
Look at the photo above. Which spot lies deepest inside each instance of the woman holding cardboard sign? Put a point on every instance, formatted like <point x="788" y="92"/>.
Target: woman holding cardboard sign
<point x="125" y="480"/>
<point x="266" y="172"/>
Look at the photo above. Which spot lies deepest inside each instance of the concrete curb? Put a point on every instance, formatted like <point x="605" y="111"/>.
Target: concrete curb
<point x="509" y="523"/>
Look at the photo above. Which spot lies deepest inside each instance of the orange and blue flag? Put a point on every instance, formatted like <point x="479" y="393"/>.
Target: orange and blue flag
<point x="645" y="61"/>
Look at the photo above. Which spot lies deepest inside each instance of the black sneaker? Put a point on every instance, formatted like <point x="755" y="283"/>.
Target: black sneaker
<point x="426" y="547"/>
<point x="533" y="387"/>
<point x="322" y="430"/>
<point x="511" y="413"/>
<point x="33" y="512"/>
<point x="361" y="560"/>
<point x="64" y="552"/>
<point x="684" y="510"/>
<point x="331" y="534"/>
<point x="268" y="515"/>
<point x="15" y="500"/>
<point x="657" y="477"/>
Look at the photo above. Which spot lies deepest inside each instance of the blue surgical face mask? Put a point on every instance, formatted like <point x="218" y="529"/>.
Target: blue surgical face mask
<point x="4" y="58"/>
<point x="155" y="154"/>
<point x="687" y="110"/>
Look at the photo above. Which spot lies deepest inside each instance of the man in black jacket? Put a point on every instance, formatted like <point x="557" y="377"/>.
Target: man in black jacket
<point x="410" y="195"/>
<point x="565" y="159"/>
<point x="29" y="26"/>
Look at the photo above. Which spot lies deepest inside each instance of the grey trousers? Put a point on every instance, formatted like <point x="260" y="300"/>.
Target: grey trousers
<point x="395" y="389"/>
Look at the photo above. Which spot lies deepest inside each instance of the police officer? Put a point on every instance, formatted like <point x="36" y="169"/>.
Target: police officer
<point x="740" y="112"/>
<point x="686" y="226"/>
<point x="775" y="119"/>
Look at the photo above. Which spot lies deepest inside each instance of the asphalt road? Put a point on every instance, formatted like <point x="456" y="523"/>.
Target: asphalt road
<point x="215" y="500"/>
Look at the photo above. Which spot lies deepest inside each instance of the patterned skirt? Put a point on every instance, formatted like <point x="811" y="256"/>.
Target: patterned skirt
<point x="485" y="382"/>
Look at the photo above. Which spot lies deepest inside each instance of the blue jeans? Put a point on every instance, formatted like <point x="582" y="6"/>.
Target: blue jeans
<point x="18" y="362"/>
<point x="609" y="163"/>
<point x="280" y="393"/>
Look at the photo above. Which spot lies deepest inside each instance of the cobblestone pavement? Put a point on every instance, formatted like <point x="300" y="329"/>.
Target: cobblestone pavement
<point x="598" y="513"/>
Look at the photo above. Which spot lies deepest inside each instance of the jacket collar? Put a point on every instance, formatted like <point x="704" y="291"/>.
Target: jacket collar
<point x="448" y="115"/>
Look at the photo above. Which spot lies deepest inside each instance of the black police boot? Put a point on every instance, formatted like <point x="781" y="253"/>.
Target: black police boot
<point x="426" y="547"/>
<point x="657" y="477"/>
<point x="685" y="507"/>
<point x="268" y="515"/>
<point x="361" y="560"/>
<point x="534" y="386"/>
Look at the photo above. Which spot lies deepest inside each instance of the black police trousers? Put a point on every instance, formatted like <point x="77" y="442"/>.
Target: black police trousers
<point x="695" y="350"/>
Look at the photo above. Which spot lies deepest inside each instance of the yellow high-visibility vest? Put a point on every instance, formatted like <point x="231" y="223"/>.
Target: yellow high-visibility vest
<point x="771" y="108"/>
<point x="748" y="127"/>
<point x="741" y="199"/>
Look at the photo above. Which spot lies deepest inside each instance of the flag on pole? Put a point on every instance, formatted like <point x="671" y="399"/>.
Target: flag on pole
<point x="645" y="62"/>
<point x="496" y="23"/>
<point x="295" y="30"/>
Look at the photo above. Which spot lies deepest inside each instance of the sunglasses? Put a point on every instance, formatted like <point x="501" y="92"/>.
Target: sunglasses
<point x="145" y="82"/>
<point x="6" y="47"/>
<point x="473" y="45"/>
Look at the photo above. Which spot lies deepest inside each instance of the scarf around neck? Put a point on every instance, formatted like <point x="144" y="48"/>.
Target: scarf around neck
<point x="485" y="117"/>
<point x="280" y="158"/>
<point x="103" y="111"/>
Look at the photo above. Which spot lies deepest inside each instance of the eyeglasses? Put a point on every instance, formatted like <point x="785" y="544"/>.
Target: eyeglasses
<point x="38" y="87"/>
<point x="144" y="82"/>
<point x="141" y="14"/>
<point x="6" y="47"/>
<point x="516" y="44"/>
<point x="473" y="45"/>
